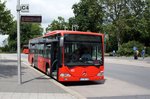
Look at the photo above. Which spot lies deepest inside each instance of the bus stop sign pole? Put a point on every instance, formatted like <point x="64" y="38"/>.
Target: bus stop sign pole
<point x="18" y="42"/>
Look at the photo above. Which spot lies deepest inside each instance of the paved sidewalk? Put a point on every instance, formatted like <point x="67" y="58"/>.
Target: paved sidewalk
<point x="128" y="60"/>
<point x="146" y="59"/>
<point x="34" y="85"/>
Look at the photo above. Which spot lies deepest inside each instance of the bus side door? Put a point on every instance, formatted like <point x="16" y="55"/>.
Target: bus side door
<point x="54" y="59"/>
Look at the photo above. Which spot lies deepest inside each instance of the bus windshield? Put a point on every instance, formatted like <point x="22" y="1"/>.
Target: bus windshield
<point x="79" y="52"/>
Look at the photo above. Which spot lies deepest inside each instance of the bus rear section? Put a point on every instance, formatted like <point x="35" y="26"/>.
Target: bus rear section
<point x="83" y="58"/>
<point x="25" y="49"/>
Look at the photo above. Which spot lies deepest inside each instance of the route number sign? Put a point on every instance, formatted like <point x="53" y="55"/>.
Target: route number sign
<point x="24" y="7"/>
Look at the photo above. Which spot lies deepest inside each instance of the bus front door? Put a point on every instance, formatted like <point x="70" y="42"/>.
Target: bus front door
<point x="54" y="59"/>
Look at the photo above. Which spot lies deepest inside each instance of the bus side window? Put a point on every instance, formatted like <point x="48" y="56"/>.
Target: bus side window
<point x="36" y="49"/>
<point x="47" y="53"/>
<point x="40" y="49"/>
<point x="32" y="48"/>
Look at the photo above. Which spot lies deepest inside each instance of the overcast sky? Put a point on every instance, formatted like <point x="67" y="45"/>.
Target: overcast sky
<point x="49" y="9"/>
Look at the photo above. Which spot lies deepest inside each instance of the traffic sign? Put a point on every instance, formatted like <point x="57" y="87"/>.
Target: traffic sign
<point x="24" y="7"/>
<point x="31" y="18"/>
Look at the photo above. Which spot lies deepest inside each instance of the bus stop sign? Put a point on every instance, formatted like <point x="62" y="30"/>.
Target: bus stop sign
<point x="25" y="8"/>
<point x="36" y="19"/>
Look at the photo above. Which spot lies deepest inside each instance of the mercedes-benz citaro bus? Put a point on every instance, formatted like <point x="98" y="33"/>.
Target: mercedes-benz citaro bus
<point x="69" y="55"/>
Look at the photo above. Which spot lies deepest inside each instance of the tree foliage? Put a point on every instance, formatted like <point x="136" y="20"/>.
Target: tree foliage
<point x="89" y="15"/>
<point x="28" y="31"/>
<point x="6" y="19"/>
<point x="72" y="21"/>
<point x="129" y="20"/>
<point x="58" y="24"/>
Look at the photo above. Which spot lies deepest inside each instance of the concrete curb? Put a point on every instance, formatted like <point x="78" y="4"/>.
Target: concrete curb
<point x="72" y="92"/>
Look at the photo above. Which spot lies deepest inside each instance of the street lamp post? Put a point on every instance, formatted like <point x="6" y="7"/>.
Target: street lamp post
<point x="18" y="42"/>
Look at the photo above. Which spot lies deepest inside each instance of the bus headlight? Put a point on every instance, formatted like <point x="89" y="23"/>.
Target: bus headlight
<point x="65" y="75"/>
<point x="101" y="73"/>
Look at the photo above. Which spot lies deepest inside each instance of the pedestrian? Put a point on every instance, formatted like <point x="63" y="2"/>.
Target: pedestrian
<point x="114" y="53"/>
<point x="136" y="54"/>
<point x="143" y="53"/>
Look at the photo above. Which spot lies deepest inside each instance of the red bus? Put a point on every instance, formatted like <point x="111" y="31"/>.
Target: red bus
<point x="69" y="55"/>
<point x="25" y="49"/>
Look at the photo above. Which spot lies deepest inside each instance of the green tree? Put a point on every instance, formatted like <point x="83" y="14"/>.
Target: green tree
<point x="115" y="13"/>
<point x="111" y="40"/>
<point x="128" y="20"/>
<point x="139" y="22"/>
<point x="72" y="21"/>
<point x="89" y="15"/>
<point x="6" y="19"/>
<point x="12" y="39"/>
<point x="28" y="31"/>
<point x="58" y="24"/>
<point x="144" y="25"/>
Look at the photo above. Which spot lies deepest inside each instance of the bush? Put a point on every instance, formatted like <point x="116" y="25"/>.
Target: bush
<point x="126" y="49"/>
<point x="148" y="51"/>
<point x="4" y="49"/>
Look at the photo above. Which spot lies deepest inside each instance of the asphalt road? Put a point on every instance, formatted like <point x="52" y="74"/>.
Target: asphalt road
<point x="139" y="76"/>
<point x="125" y="79"/>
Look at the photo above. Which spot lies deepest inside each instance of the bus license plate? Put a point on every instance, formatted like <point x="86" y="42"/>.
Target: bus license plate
<point x="84" y="79"/>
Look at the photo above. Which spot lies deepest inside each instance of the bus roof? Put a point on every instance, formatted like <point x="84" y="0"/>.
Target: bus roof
<point x="67" y="32"/>
<point x="71" y="32"/>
